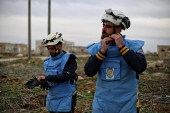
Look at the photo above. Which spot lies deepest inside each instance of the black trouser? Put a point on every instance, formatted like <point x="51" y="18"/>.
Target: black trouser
<point x="73" y="104"/>
<point x="138" y="109"/>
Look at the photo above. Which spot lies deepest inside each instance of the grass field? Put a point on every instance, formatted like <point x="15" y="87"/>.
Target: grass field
<point x="15" y="98"/>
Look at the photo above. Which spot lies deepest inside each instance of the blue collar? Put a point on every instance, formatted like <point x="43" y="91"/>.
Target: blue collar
<point x="58" y="56"/>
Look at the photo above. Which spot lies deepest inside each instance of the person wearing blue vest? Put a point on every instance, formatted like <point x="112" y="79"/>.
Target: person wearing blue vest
<point x="117" y="61"/>
<point x="60" y="74"/>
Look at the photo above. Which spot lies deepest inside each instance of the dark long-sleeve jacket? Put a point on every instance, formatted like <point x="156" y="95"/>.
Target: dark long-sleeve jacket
<point x="136" y="61"/>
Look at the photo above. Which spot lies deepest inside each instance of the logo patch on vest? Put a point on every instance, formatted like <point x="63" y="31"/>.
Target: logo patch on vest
<point x="109" y="73"/>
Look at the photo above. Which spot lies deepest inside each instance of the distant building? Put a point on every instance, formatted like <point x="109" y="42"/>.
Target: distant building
<point x="8" y="48"/>
<point x="79" y="50"/>
<point x="163" y="51"/>
<point x="14" y="49"/>
<point x="39" y="48"/>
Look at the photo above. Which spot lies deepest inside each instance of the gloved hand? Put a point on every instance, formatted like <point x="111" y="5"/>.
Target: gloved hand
<point x="44" y="84"/>
<point x="31" y="83"/>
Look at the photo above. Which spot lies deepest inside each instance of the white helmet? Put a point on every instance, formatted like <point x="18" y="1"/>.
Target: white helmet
<point x="53" y="39"/>
<point x="117" y="18"/>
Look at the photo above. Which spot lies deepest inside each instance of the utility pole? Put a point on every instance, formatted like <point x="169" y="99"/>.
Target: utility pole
<point x="49" y="17"/>
<point x="29" y="29"/>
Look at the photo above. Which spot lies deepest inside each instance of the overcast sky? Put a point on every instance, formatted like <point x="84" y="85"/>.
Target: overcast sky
<point x="80" y="20"/>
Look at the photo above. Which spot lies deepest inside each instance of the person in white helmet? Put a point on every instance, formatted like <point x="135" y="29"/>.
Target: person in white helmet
<point x="117" y="62"/>
<point x="60" y="74"/>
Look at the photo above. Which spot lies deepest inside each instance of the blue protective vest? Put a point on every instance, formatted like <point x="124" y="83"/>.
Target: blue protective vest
<point x="59" y="94"/>
<point x="116" y="85"/>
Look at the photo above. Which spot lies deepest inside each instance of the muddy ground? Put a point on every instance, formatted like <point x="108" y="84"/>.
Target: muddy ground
<point x="154" y="88"/>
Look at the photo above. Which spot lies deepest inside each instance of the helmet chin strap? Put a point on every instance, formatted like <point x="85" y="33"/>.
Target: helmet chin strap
<point x="56" y="50"/>
<point x="111" y="34"/>
<point x="114" y="30"/>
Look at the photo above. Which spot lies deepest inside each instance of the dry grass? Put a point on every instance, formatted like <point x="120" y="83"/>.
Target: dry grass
<point x="15" y="98"/>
